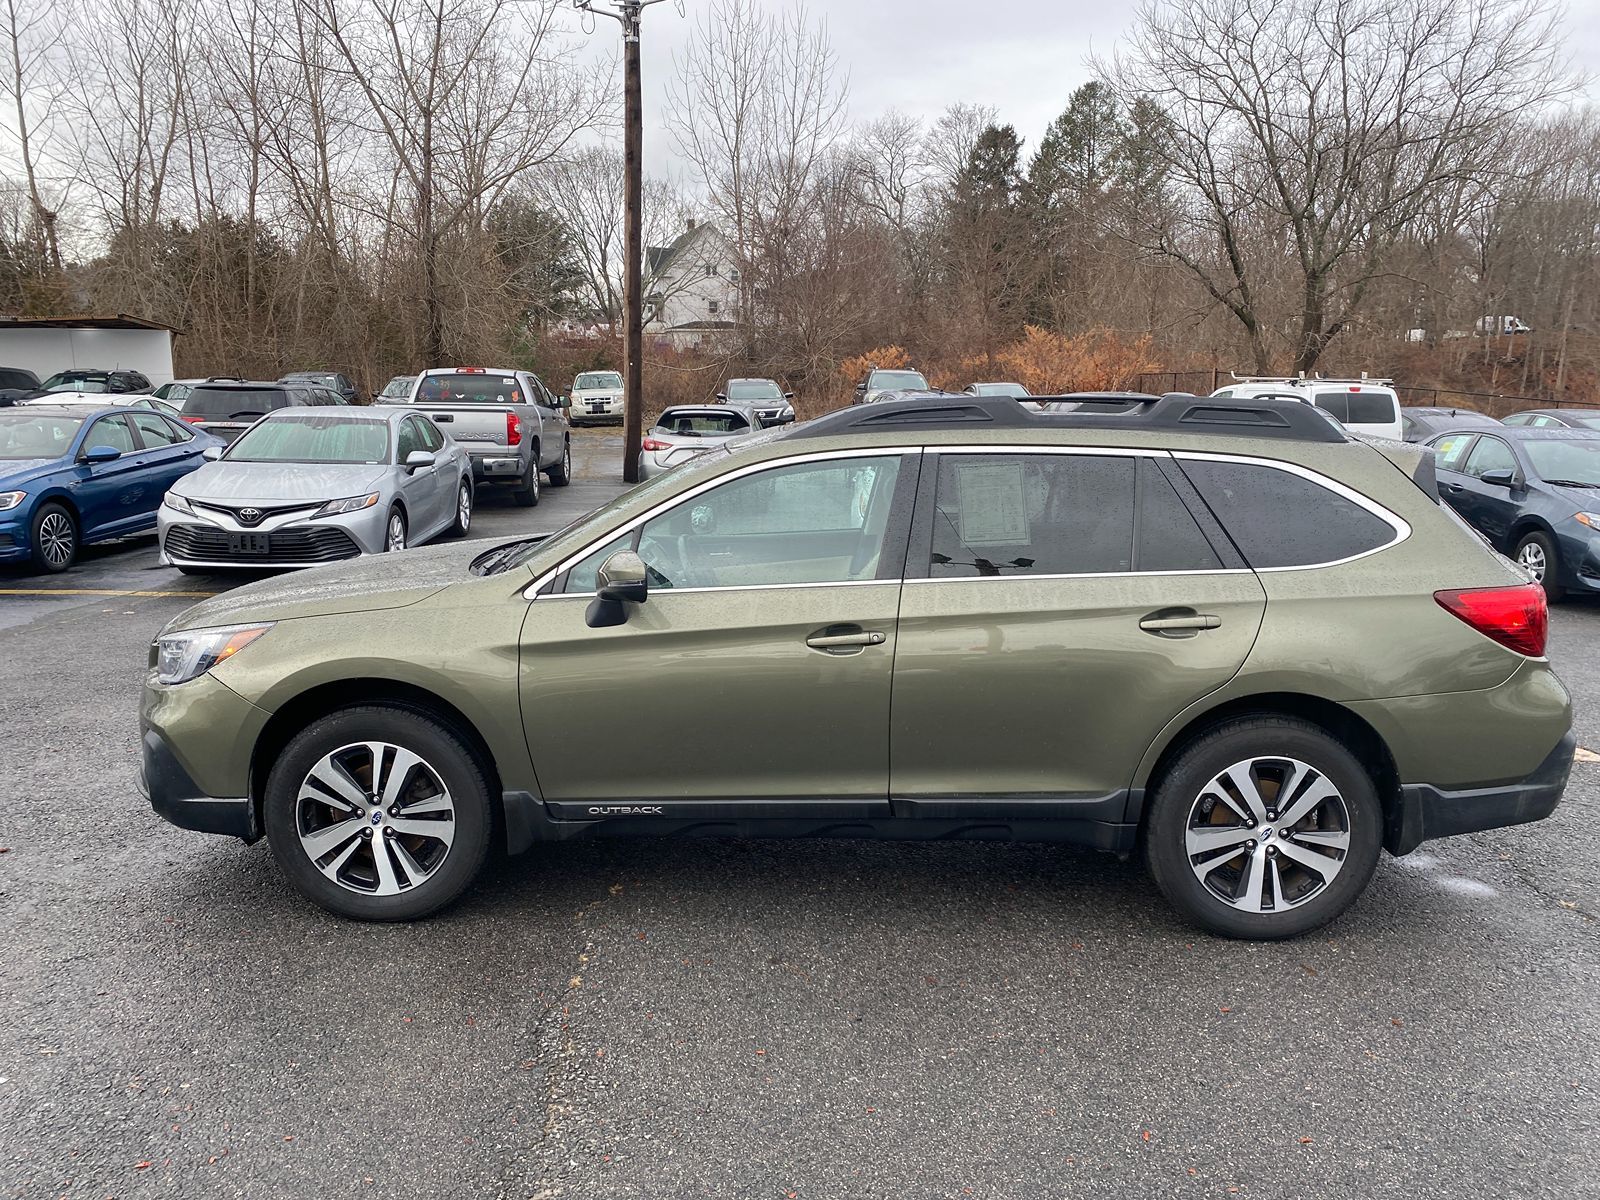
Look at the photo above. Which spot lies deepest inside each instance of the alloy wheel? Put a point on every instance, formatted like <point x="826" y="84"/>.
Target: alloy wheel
<point x="56" y="539"/>
<point x="1532" y="557"/>
<point x="375" y="818"/>
<point x="396" y="537"/>
<point x="1267" y="834"/>
<point x="464" y="508"/>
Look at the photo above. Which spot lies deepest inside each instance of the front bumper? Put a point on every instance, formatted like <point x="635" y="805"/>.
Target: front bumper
<point x="1425" y="812"/>
<point x="292" y="542"/>
<point x="195" y="756"/>
<point x="15" y="536"/>
<point x="583" y="410"/>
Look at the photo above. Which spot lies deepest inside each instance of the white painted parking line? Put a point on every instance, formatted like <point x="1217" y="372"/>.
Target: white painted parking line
<point x="99" y="592"/>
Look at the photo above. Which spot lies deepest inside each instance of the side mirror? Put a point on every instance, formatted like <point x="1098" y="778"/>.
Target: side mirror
<point x="1505" y="479"/>
<point x="788" y="395"/>
<point x="211" y="453"/>
<point x="564" y="402"/>
<point x="723" y="396"/>
<point x="418" y="460"/>
<point x="621" y="580"/>
<point x="101" y="454"/>
<point x="862" y="386"/>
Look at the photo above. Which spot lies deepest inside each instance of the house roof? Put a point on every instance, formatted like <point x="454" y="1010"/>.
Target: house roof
<point x="658" y="258"/>
<point x="91" y="321"/>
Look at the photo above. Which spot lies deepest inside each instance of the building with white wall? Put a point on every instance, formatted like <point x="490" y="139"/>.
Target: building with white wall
<point x="45" y="345"/>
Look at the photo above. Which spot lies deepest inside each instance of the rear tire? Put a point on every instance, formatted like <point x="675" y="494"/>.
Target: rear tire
<point x="426" y="771"/>
<point x="561" y="473"/>
<point x="527" y="495"/>
<point x="55" y="538"/>
<point x="1537" y="553"/>
<point x="1229" y="860"/>
<point x="463" y="521"/>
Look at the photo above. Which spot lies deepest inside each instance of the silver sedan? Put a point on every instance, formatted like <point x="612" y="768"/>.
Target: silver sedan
<point x="686" y="430"/>
<point x="304" y="486"/>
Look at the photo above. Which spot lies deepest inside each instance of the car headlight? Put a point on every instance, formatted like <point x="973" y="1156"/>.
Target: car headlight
<point x="1592" y="520"/>
<point x="349" y="504"/>
<point x="179" y="503"/>
<point x="788" y="411"/>
<point x="11" y="499"/>
<point x="181" y="657"/>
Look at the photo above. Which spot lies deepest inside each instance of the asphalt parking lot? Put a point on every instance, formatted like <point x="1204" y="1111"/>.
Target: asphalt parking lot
<point x="814" y="1019"/>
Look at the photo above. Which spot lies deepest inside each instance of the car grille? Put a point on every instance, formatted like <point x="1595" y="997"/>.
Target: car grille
<point x="202" y="543"/>
<point x="252" y="515"/>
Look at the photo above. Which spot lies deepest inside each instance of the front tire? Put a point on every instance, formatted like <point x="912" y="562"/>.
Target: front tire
<point x="54" y="536"/>
<point x="394" y="532"/>
<point x="1538" y="554"/>
<point x="1263" y="828"/>
<point x="380" y="814"/>
<point x="463" y="521"/>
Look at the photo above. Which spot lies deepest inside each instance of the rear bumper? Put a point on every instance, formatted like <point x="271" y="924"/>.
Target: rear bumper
<point x="494" y="468"/>
<point x="177" y="798"/>
<point x="1425" y="812"/>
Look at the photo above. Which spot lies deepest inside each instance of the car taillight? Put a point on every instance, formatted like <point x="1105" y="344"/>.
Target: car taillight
<point x="652" y="444"/>
<point x="513" y="429"/>
<point x="1516" y="617"/>
<point x="195" y="420"/>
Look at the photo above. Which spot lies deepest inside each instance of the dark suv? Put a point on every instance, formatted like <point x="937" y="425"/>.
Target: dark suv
<point x="226" y="409"/>
<point x="334" y="381"/>
<point x="96" y="381"/>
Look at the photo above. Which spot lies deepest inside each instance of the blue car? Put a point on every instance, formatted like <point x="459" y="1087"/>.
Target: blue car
<point x="71" y="475"/>
<point x="1534" y="494"/>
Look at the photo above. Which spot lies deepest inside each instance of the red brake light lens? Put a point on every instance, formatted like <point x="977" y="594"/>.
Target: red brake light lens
<point x="195" y="420"/>
<point x="1516" y="617"/>
<point x="513" y="429"/>
<point x="653" y="444"/>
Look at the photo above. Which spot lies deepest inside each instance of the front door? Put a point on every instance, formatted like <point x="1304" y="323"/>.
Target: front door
<point x="754" y="681"/>
<point x="116" y="497"/>
<point x="1068" y="606"/>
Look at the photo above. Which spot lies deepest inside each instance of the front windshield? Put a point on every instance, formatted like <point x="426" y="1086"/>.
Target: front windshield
<point x="1582" y="420"/>
<point x="899" y="381"/>
<point x="591" y="380"/>
<point x="470" y="387"/>
<point x="701" y="423"/>
<point x="1574" y="463"/>
<point x="36" y="435"/>
<point x="314" y="438"/>
<point x="753" y="389"/>
<point x="67" y="381"/>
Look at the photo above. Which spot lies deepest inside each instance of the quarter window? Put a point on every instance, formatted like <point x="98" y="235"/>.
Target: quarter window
<point x="1032" y="514"/>
<point x="1280" y="519"/>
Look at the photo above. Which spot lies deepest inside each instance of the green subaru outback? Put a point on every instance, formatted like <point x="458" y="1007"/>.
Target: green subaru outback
<point x="1217" y="632"/>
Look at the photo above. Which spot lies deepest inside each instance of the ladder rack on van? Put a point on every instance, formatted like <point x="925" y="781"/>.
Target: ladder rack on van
<point x="1298" y="380"/>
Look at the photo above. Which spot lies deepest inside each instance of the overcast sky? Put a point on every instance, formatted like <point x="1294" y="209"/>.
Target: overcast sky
<point x="1024" y="57"/>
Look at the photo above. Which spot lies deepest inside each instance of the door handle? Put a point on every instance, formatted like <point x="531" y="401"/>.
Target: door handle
<point x="844" y="641"/>
<point x="1179" y="623"/>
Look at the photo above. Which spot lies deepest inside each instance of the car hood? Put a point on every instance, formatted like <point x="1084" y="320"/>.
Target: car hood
<point x="368" y="584"/>
<point x="19" y="472"/>
<point x="258" y="482"/>
<point x="1581" y="499"/>
<point x="598" y="392"/>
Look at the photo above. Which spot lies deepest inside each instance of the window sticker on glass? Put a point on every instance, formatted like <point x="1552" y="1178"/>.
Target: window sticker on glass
<point x="992" y="504"/>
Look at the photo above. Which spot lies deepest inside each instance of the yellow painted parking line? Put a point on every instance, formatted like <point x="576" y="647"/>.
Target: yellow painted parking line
<point x="98" y="592"/>
<point x="1585" y="755"/>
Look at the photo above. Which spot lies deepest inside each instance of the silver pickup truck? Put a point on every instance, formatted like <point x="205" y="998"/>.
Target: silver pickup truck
<point x="510" y="424"/>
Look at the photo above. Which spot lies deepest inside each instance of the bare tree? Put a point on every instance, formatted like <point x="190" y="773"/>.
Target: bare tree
<point x="30" y="39"/>
<point x="1307" y="135"/>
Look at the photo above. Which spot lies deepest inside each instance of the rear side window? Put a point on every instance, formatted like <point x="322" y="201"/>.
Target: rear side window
<point x="1032" y="514"/>
<point x="1358" y="407"/>
<point x="1280" y="519"/>
<point x="220" y="404"/>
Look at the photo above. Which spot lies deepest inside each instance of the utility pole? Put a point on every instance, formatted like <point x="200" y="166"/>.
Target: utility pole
<point x="628" y="14"/>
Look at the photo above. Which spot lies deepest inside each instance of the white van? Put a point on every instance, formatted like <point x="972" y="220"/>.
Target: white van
<point x="1367" y="406"/>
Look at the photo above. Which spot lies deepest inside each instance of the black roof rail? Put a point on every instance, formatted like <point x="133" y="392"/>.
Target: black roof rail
<point x="1176" y="412"/>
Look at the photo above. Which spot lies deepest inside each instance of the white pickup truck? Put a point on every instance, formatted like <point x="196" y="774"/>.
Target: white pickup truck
<point x="511" y="425"/>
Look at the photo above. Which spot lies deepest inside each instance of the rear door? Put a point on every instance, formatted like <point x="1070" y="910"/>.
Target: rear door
<point x="1061" y="605"/>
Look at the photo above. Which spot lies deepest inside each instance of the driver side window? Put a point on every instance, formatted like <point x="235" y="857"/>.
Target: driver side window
<point x="1490" y="454"/>
<point x="811" y="523"/>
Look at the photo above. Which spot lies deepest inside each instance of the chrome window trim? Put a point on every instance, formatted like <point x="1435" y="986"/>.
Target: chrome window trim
<point x="1401" y="527"/>
<point x="664" y="593"/>
<point x="531" y="592"/>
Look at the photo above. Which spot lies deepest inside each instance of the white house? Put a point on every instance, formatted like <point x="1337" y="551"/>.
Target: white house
<point x="691" y="291"/>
